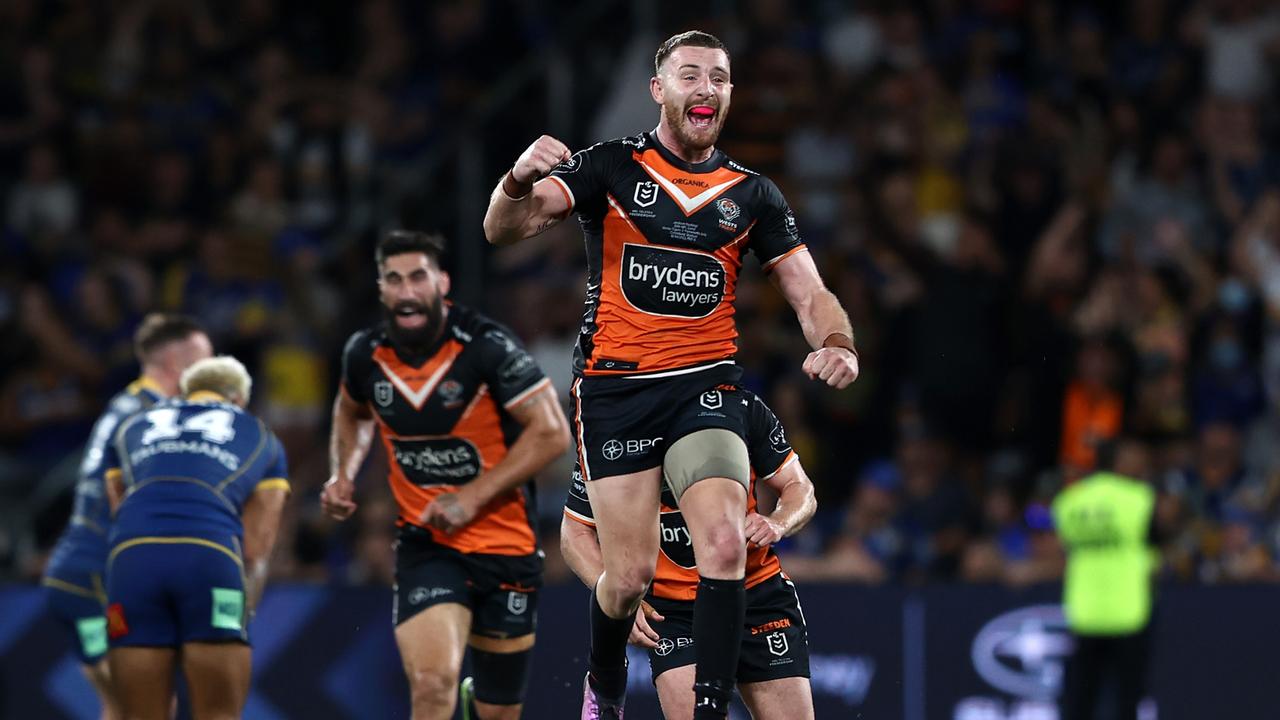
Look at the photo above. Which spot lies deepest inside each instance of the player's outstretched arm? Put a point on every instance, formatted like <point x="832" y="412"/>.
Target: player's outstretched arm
<point x="824" y="322"/>
<point x="349" y="442"/>
<point x="261" y="519"/>
<point x="520" y="206"/>
<point x="796" y="506"/>
<point x="543" y="438"/>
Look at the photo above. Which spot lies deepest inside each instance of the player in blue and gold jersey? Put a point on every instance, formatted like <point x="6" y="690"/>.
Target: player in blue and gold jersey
<point x="198" y="485"/>
<point x="166" y="345"/>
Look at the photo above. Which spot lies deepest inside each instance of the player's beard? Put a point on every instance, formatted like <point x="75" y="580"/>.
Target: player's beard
<point x="417" y="340"/>
<point x="689" y="136"/>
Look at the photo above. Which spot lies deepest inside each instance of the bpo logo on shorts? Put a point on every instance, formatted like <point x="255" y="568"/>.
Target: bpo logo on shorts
<point x="614" y="449"/>
<point x="419" y="595"/>
<point x="666" y="646"/>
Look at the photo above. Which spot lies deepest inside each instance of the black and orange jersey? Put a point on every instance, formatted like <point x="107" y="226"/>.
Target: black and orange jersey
<point x="444" y="419"/>
<point x="676" y="575"/>
<point x="665" y="243"/>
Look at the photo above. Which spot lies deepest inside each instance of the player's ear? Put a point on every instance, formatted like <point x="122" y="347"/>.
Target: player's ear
<point x="445" y="283"/>
<point x="655" y="89"/>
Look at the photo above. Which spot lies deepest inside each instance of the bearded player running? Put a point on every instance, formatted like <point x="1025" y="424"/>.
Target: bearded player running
<point x="467" y="418"/>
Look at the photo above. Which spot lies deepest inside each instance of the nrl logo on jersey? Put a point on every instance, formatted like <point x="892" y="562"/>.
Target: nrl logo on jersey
<point x="382" y="392"/>
<point x="646" y="193"/>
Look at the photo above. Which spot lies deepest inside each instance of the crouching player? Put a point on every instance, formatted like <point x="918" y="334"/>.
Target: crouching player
<point x="198" y="486"/>
<point x="773" y="667"/>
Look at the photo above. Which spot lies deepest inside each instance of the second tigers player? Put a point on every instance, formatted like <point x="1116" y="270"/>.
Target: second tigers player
<point x="773" y="667"/>
<point x="467" y="418"/>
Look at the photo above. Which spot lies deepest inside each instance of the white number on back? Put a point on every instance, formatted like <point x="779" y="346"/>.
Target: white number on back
<point x="213" y="425"/>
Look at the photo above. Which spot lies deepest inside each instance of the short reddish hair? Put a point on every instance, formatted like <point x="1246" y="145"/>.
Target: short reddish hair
<point x="689" y="38"/>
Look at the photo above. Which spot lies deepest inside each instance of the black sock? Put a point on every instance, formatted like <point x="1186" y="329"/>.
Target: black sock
<point x="607" y="662"/>
<point x="718" y="614"/>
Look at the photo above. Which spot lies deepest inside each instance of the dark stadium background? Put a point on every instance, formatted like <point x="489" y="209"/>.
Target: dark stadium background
<point x="1050" y="223"/>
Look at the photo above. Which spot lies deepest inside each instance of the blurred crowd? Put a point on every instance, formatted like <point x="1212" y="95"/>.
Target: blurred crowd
<point x="1051" y="224"/>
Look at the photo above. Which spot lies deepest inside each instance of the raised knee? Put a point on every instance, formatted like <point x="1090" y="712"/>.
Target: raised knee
<point x="626" y="588"/>
<point x="724" y="550"/>
<point x="634" y="583"/>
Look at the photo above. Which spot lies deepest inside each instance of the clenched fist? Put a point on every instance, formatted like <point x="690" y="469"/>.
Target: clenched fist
<point x="762" y="530"/>
<point x="450" y="512"/>
<point x="835" y="366"/>
<point x="537" y="160"/>
<point x="336" y="498"/>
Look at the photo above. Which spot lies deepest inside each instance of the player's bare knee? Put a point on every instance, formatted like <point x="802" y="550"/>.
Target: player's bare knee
<point x="722" y="553"/>
<point x="622" y="592"/>
<point x="433" y="694"/>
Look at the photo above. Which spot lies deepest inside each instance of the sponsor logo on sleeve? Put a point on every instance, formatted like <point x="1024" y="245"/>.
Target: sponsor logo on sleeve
<point x="778" y="437"/>
<point x="516" y="366"/>
<point x="571" y="165"/>
<point x="500" y="338"/>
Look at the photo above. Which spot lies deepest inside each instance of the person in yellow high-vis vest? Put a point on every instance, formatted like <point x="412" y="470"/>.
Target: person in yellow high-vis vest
<point x="1106" y="524"/>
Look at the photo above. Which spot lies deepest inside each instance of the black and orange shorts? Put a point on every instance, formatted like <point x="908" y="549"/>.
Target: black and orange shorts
<point x="500" y="590"/>
<point x="625" y="424"/>
<point x="775" y="641"/>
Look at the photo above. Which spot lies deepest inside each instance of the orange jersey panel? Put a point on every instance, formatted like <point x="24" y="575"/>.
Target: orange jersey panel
<point x="634" y="329"/>
<point x="502" y="527"/>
